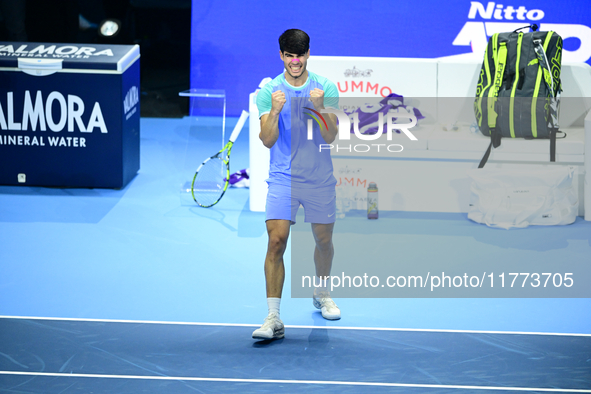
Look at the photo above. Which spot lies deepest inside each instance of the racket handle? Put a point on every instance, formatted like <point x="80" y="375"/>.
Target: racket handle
<point x="239" y="125"/>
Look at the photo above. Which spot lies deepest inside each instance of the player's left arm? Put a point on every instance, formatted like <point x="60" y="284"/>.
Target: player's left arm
<point x="321" y="100"/>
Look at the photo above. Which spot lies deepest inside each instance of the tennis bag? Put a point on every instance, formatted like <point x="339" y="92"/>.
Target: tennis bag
<point x="518" y="91"/>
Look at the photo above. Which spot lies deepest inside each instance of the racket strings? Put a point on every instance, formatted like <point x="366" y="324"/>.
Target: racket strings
<point x="210" y="182"/>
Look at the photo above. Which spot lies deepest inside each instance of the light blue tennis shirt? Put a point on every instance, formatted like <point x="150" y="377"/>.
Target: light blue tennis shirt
<point x="295" y="159"/>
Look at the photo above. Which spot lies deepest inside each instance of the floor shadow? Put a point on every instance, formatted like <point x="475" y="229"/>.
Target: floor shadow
<point x="20" y="204"/>
<point x="250" y="224"/>
<point x="267" y="343"/>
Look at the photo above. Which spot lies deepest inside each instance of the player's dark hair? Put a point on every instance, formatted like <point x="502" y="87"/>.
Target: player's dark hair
<point x="294" y="41"/>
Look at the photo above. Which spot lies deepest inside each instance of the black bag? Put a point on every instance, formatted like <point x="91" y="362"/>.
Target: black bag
<point x="518" y="92"/>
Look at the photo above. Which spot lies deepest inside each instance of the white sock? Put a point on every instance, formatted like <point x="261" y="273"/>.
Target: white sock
<point x="273" y="304"/>
<point x="320" y="285"/>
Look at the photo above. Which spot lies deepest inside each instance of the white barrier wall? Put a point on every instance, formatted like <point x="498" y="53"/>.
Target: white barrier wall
<point x="378" y="77"/>
<point x="259" y="160"/>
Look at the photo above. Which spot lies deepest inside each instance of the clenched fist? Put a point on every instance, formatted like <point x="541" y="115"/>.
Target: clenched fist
<point x="277" y="102"/>
<point x="317" y="98"/>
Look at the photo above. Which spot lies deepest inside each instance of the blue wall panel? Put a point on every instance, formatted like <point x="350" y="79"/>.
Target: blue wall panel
<point x="234" y="43"/>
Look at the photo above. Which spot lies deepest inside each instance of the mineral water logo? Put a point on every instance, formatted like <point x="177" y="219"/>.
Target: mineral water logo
<point x="344" y="132"/>
<point x="130" y="102"/>
<point x="131" y="99"/>
<point x="56" y="51"/>
<point x="55" y="112"/>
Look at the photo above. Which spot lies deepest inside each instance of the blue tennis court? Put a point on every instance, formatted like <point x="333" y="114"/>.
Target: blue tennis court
<point x="129" y="357"/>
<point x="134" y="290"/>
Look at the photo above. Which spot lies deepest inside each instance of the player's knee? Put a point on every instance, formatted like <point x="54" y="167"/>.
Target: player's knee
<point x="324" y="242"/>
<point x="277" y="242"/>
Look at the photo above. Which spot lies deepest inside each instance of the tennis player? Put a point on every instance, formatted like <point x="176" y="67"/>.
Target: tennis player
<point x="299" y="173"/>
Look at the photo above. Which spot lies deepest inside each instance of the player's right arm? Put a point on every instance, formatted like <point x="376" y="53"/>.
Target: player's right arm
<point x="270" y="122"/>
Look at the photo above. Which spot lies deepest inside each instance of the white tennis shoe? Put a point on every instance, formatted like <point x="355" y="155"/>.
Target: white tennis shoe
<point x="272" y="328"/>
<point x="327" y="306"/>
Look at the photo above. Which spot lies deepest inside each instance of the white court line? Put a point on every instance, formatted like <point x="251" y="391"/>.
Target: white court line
<point x="281" y="381"/>
<point x="296" y="326"/>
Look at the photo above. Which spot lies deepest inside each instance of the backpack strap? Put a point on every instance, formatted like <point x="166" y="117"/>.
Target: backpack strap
<point x="500" y="64"/>
<point x="495" y="141"/>
<point x="534" y="27"/>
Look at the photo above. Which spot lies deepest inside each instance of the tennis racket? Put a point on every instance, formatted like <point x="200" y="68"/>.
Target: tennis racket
<point x="211" y="178"/>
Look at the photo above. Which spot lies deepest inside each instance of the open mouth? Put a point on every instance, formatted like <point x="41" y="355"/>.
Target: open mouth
<point x="295" y="68"/>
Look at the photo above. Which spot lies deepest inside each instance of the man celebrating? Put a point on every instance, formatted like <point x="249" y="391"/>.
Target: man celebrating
<point x="299" y="172"/>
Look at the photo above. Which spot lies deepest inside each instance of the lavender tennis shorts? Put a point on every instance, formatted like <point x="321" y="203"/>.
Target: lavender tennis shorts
<point x="319" y="203"/>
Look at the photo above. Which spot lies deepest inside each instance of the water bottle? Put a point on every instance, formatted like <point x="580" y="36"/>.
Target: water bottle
<point x="340" y="205"/>
<point x="372" y="201"/>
